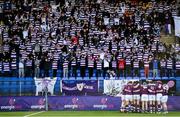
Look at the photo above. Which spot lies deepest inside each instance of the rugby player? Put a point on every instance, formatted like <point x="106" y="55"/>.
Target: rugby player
<point x="152" y="96"/>
<point x="159" y="91"/>
<point x="136" y="96"/>
<point x="144" y="97"/>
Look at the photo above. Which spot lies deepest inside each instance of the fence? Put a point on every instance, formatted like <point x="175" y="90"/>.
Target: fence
<point x="29" y="86"/>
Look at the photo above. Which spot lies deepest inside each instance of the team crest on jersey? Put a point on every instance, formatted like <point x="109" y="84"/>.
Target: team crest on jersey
<point x="80" y="86"/>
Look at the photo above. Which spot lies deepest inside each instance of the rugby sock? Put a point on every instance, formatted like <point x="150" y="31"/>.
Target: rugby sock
<point x="154" y="108"/>
<point x="159" y="108"/>
<point x="130" y="108"/>
<point x="127" y="108"/>
<point x="138" y="108"/>
<point x="150" y="108"/>
<point x="133" y="107"/>
<point x="122" y="109"/>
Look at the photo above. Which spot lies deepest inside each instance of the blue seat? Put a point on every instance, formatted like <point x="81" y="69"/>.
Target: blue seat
<point x="158" y="78"/>
<point x="79" y="78"/>
<point x="72" y="78"/>
<point x="100" y="78"/>
<point x="165" y="78"/>
<point x="28" y="88"/>
<point x="150" y="78"/>
<point x="129" y="78"/>
<point x="29" y="79"/>
<point x="150" y="73"/>
<point x="5" y="90"/>
<point x="87" y="74"/>
<point x="136" y="78"/>
<point x="78" y="71"/>
<point x="86" y="78"/>
<point x="93" y="78"/>
<point x="78" y="74"/>
<point x="7" y="79"/>
<point x="122" y="78"/>
<point x="1" y="81"/>
<point x="28" y="83"/>
<point x="142" y="78"/>
<point x="6" y="83"/>
<point x="14" y="89"/>
<point x="106" y="78"/>
<point x="1" y="88"/>
<point x="14" y="79"/>
<point x="65" y="79"/>
<point x="14" y="82"/>
<point x="142" y="74"/>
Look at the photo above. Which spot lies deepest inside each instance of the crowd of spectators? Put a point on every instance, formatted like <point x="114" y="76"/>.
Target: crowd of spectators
<point x="87" y="38"/>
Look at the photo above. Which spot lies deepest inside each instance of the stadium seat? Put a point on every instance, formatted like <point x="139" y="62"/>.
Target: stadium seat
<point x="165" y="78"/>
<point x="142" y="78"/>
<point x="78" y="74"/>
<point x="65" y="78"/>
<point x="93" y="78"/>
<point x="100" y="78"/>
<point x="79" y="78"/>
<point x="72" y="78"/>
<point x="1" y="81"/>
<point x="29" y="79"/>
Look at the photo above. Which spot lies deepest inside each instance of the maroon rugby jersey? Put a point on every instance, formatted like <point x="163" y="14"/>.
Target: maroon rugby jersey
<point x="128" y="89"/>
<point x="165" y="90"/>
<point x="159" y="88"/>
<point x="144" y="90"/>
<point x="136" y="89"/>
<point x="152" y="89"/>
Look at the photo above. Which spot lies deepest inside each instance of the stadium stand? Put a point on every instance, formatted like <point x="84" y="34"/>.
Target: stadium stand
<point x="84" y="40"/>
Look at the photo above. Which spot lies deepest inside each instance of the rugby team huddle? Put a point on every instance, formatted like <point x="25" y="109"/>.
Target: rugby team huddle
<point x="145" y="97"/>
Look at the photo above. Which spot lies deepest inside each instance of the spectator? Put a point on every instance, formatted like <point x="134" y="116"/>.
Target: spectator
<point x="90" y="66"/>
<point x="146" y="68"/>
<point x="37" y="49"/>
<point x="29" y="68"/>
<point x="105" y="67"/>
<point x="121" y="67"/>
<point x="177" y="68"/>
<point x="74" y="67"/>
<point x="47" y="66"/>
<point x="136" y="68"/>
<point x="99" y="68"/>
<point x="65" y="68"/>
<point x="37" y="69"/>
<point x="21" y="69"/>
<point x="163" y="65"/>
<point x="155" y="67"/>
<point x="54" y="67"/>
<point x="169" y="67"/>
<point x="128" y="66"/>
<point x="83" y="65"/>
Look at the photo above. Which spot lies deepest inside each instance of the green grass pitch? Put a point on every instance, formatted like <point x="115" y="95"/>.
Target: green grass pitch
<point x="83" y="114"/>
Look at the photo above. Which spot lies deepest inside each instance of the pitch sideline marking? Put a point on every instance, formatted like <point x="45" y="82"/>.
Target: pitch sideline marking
<point x="33" y="114"/>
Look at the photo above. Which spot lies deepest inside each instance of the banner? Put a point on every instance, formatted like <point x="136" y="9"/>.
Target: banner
<point x="114" y="87"/>
<point x="79" y="87"/>
<point x="177" y="26"/>
<point x="42" y="83"/>
<point x="37" y="103"/>
<point x="22" y="103"/>
<point x="84" y="103"/>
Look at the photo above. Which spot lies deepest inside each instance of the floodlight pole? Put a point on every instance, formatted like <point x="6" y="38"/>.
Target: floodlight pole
<point x="19" y="86"/>
<point x="46" y="98"/>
